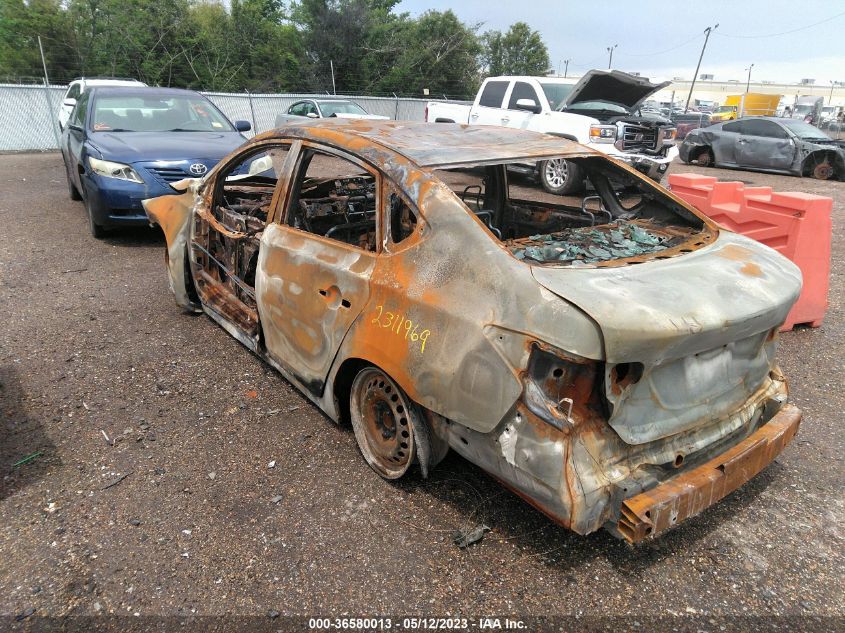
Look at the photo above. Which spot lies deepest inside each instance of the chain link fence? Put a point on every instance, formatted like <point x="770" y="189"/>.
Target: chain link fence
<point x="29" y="113"/>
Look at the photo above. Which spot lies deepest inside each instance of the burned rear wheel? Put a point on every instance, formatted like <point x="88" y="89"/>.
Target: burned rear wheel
<point x="382" y="419"/>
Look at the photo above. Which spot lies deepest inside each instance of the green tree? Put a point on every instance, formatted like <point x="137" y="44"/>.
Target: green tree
<point x="259" y="45"/>
<point x="520" y="51"/>
<point x="348" y="36"/>
<point x="440" y="54"/>
<point x="270" y="50"/>
<point x="20" y="25"/>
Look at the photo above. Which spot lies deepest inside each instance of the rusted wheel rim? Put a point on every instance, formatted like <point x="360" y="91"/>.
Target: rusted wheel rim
<point x="556" y="171"/>
<point x="380" y="414"/>
<point x="705" y="159"/>
<point x="822" y="171"/>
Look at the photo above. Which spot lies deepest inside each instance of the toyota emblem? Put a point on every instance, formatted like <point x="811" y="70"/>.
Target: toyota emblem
<point x="197" y="169"/>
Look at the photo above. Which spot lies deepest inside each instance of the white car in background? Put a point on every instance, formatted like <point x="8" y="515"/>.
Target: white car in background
<point x="325" y="109"/>
<point x="80" y="85"/>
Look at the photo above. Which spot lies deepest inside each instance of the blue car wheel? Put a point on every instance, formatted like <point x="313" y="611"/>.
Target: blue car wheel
<point x="97" y="230"/>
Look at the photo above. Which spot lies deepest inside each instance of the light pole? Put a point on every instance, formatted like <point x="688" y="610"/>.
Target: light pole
<point x="565" y="67"/>
<point x="834" y="84"/>
<point x="707" y="32"/>
<point x="748" y="83"/>
<point x="610" y="50"/>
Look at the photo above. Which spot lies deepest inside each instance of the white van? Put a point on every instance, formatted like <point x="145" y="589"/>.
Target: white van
<point x="80" y="85"/>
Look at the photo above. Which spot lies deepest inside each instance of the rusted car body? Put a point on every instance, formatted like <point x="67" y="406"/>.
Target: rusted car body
<point x="611" y="359"/>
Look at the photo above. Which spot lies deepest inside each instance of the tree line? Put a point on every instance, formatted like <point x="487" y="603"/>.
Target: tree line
<point x="343" y="46"/>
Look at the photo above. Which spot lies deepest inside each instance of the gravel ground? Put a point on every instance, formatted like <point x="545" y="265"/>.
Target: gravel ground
<point x="222" y="491"/>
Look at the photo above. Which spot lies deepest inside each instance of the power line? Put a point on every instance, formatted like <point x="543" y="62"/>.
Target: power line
<point x="800" y="28"/>
<point x="692" y="39"/>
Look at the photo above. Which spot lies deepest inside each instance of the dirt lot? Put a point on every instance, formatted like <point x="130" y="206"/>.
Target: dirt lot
<point x="222" y="491"/>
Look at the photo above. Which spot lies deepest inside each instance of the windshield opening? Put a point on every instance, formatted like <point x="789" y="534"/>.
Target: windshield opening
<point x="341" y="107"/>
<point x="805" y="130"/>
<point x="615" y="215"/>
<point x="598" y="106"/>
<point x="157" y="113"/>
<point x="556" y="93"/>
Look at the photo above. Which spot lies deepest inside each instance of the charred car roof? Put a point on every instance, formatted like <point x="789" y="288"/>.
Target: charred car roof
<point x="435" y="145"/>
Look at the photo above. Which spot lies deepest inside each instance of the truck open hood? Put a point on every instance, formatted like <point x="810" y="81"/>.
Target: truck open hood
<point x="612" y="86"/>
<point x="661" y="310"/>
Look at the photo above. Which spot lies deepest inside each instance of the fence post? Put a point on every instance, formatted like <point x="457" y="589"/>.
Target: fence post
<point x="50" y="114"/>
<point x="396" y="108"/>
<point x="252" y="111"/>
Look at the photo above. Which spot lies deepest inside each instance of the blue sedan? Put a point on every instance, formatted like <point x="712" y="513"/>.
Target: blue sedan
<point x="123" y="145"/>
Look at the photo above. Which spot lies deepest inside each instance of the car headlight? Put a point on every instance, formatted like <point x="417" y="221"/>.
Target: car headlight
<point x="602" y="133"/>
<point x="669" y="134"/>
<point x="113" y="170"/>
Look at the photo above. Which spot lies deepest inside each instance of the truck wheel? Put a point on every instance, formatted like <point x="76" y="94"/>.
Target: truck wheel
<point x="559" y="176"/>
<point x="387" y="424"/>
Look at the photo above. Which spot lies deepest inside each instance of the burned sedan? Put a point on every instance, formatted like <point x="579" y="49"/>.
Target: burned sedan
<point x="609" y="357"/>
<point x="786" y="146"/>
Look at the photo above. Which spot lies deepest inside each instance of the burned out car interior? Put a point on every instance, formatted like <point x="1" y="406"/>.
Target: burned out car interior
<point x="617" y="218"/>
<point x="331" y="196"/>
<point x="341" y="206"/>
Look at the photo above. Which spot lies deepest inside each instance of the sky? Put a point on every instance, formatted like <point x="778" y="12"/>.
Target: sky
<point x="663" y="39"/>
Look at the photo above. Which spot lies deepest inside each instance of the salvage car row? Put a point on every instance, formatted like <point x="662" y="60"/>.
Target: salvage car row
<point x="394" y="273"/>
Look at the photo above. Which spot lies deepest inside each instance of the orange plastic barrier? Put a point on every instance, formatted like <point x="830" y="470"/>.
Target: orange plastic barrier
<point x="797" y="225"/>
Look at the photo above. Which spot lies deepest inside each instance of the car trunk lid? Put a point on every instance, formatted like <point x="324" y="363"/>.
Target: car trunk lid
<point x="665" y="309"/>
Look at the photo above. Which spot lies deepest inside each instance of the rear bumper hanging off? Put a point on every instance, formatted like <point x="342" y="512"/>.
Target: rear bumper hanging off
<point x="650" y="513"/>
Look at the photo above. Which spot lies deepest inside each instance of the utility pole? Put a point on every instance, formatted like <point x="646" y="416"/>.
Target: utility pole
<point x="565" y="67"/>
<point x="331" y="65"/>
<point x="610" y="50"/>
<point x="700" y="57"/>
<point x="748" y="83"/>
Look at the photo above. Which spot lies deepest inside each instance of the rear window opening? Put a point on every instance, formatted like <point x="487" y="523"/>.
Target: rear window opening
<point x="613" y="216"/>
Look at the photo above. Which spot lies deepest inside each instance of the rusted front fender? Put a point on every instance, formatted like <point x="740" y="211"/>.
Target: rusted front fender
<point x="173" y="215"/>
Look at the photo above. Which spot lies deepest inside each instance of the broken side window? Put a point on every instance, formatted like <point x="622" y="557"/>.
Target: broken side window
<point x="615" y="215"/>
<point x="247" y="192"/>
<point x="401" y="217"/>
<point x="336" y="198"/>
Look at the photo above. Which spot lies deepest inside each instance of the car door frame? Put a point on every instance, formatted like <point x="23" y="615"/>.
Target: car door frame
<point x="311" y="289"/>
<point x="721" y="143"/>
<point x="750" y="148"/>
<point x="515" y="117"/>
<point x="204" y="210"/>
<point x="489" y="115"/>
<point x="76" y="137"/>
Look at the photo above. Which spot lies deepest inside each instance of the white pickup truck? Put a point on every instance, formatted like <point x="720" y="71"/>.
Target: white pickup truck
<point x="599" y="111"/>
